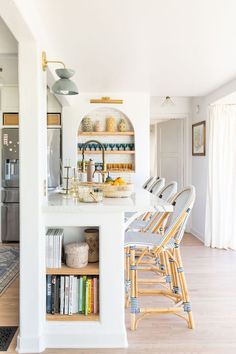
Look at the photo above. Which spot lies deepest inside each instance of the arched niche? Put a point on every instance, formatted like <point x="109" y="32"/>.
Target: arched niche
<point x="123" y="152"/>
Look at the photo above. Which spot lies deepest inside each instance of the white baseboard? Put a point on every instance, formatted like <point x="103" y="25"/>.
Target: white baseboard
<point x="30" y="344"/>
<point x="80" y="341"/>
<point x="197" y="235"/>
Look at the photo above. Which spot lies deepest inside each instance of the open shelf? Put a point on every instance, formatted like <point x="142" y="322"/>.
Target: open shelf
<point x="75" y="317"/>
<point x="120" y="170"/>
<point x="108" y="152"/>
<point x="106" y="133"/>
<point x="90" y="269"/>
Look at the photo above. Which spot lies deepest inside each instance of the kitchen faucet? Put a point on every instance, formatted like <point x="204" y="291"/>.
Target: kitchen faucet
<point x="103" y="157"/>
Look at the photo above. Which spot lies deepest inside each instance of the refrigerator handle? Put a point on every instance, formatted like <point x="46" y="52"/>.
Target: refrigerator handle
<point x="61" y="171"/>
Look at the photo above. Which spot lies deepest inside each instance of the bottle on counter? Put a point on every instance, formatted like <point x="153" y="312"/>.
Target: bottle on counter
<point x="90" y="170"/>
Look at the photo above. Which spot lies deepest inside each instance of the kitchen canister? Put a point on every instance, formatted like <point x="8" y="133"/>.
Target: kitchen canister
<point x="122" y="125"/>
<point x="92" y="239"/>
<point x="87" y="124"/>
<point x="98" y="126"/>
<point x="76" y="254"/>
<point x="111" y="124"/>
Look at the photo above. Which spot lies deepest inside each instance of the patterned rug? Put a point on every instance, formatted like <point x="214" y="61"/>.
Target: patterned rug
<point x="6" y="336"/>
<point x="9" y="266"/>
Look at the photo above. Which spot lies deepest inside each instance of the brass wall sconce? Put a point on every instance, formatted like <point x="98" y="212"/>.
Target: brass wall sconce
<point x="63" y="86"/>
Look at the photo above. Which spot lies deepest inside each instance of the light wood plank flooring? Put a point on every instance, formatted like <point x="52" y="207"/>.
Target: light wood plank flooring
<point x="211" y="276"/>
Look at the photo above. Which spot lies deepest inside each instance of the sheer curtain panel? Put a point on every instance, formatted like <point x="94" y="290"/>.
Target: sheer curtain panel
<point x="220" y="228"/>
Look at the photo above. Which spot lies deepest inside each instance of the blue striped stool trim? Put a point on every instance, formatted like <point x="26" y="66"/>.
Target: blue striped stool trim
<point x="134" y="305"/>
<point x="187" y="306"/>
<point x="127" y="286"/>
<point x="133" y="267"/>
<point x="168" y="278"/>
<point x="180" y="270"/>
<point x="132" y="247"/>
<point x="171" y="260"/>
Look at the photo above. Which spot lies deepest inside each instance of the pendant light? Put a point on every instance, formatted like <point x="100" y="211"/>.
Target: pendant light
<point x="167" y="102"/>
<point x="63" y="86"/>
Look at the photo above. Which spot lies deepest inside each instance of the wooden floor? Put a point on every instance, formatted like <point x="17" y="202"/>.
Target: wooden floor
<point x="211" y="276"/>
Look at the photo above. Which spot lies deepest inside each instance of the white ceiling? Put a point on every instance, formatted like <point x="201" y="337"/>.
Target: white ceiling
<point x="165" y="47"/>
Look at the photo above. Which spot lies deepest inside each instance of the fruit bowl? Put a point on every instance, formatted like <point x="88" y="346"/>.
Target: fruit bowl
<point x="118" y="191"/>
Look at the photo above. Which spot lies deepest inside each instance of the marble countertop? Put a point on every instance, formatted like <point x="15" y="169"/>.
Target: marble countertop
<point x="140" y="201"/>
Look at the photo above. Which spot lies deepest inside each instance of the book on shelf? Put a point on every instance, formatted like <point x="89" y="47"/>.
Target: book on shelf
<point x="68" y="295"/>
<point x="54" y="238"/>
<point x="49" y="293"/>
<point x="62" y="295"/>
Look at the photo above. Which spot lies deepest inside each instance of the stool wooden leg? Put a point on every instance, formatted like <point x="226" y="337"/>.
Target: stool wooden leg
<point x="168" y="275"/>
<point x="162" y="262"/>
<point x="133" y="275"/>
<point x="127" y="277"/>
<point x="185" y="294"/>
<point x="175" y="284"/>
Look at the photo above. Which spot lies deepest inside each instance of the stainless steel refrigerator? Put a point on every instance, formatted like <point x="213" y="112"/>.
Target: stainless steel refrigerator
<point x="10" y="185"/>
<point x="10" y="208"/>
<point x="54" y="157"/>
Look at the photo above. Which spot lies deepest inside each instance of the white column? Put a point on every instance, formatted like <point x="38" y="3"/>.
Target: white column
<point x="32" y="91"/>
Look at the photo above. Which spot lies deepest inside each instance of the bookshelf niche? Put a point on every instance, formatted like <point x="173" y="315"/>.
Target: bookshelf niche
<point x="72" y="294"/>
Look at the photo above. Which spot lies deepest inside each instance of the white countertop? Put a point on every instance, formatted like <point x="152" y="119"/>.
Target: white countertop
<point x="140" y="201"/>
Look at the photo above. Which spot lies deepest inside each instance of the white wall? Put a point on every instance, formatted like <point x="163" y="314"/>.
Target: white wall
<point x="135" y="107"/>
<point x="200" y="163"/>
<point x="9" y="64"/>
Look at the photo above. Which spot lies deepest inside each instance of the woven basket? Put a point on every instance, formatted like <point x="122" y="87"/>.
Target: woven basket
<point x="124" y="191"/>
<point x="76" y="254"/>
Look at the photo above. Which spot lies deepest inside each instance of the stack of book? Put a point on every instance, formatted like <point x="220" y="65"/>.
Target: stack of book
<point x="54" y="238"/>
<point x="68" y="295"/>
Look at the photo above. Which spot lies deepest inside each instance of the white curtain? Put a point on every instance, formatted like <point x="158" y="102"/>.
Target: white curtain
<point x="220" y="228"/>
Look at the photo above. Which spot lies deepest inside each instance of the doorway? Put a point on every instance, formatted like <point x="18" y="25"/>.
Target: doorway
<point x="168" y="150"/>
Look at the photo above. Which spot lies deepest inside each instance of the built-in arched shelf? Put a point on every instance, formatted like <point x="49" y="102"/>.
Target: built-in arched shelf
<point x="119" y="146"/>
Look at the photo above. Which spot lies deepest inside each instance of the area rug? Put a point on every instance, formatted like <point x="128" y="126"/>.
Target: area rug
<point x="6" y="336"/>
<point x="9" y="266"/>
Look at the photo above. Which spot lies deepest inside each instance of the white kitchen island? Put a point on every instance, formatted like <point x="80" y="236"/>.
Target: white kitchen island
<point x="109" y="331"/>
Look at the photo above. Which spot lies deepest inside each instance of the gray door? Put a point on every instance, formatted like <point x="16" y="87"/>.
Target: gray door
<point x="54" y="157"/>
<point x="10" y="222"/>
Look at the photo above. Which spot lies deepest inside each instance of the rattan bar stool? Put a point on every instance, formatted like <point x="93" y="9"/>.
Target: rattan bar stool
<point x="142" y="222"/>
<point x="166" y="246"/>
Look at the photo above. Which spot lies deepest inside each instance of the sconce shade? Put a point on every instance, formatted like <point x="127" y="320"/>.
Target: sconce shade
<point x="65" y="86"/>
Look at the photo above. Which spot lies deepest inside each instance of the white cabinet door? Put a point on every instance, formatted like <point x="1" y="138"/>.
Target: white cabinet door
<point x="170" y="151"/>
<point x="10" y="99"/>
